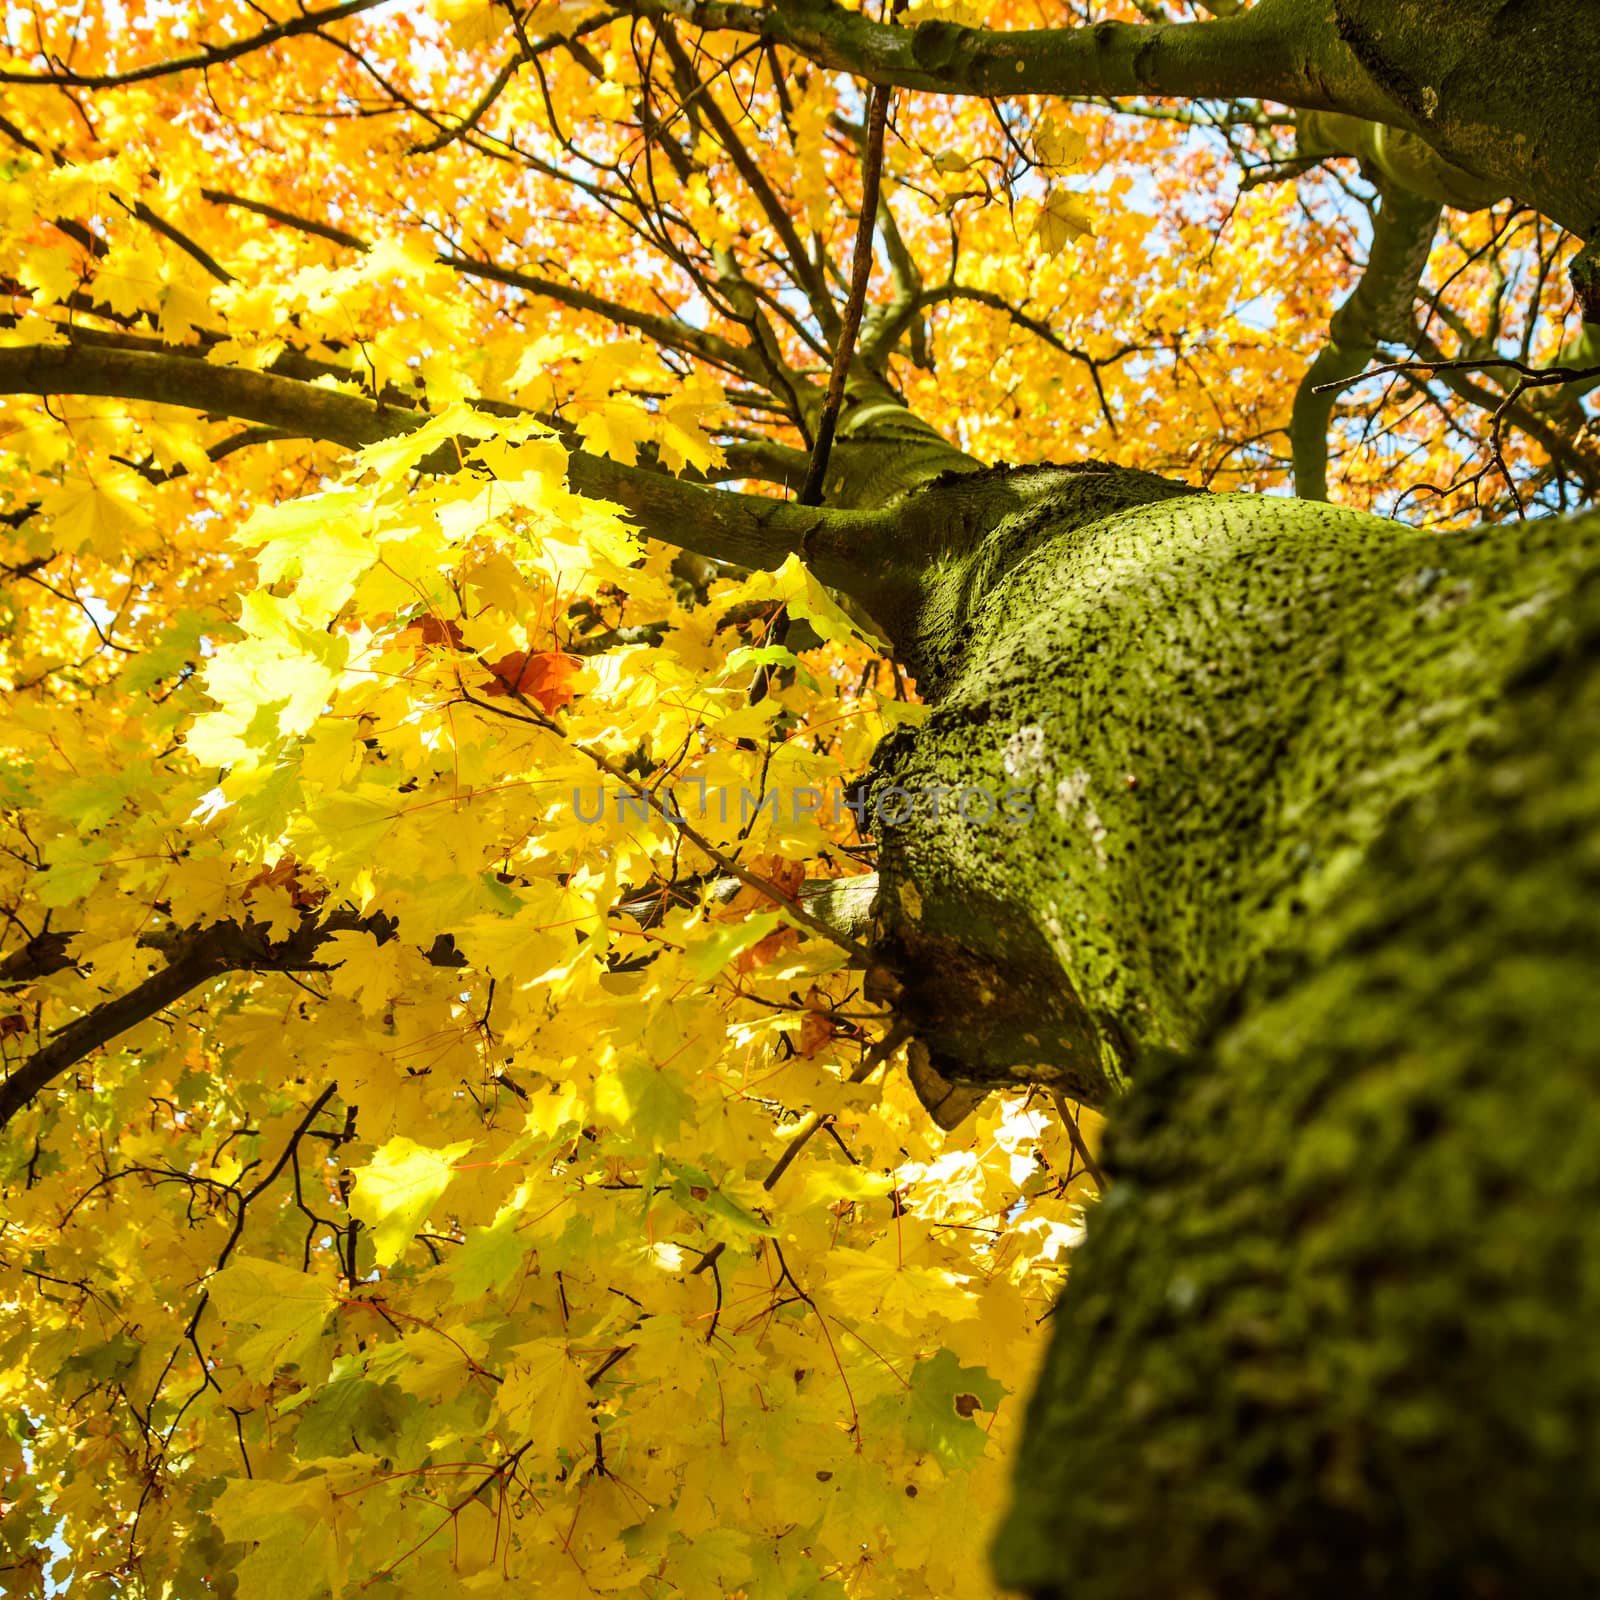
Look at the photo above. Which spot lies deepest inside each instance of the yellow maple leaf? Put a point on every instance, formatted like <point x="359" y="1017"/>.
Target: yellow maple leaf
<point x="1062" y="218"/>
<point x="50" y="269"/>
<point x="101" y="513"/>
<point x="280" y="1310"/>
<point x="398" y="1188"/>
<point x="367" y="971"/>
<point x="544" y="1399"/>
<point x="1057" y="143"/>
<point x="876" y="1285"/>
<point x="131" y="278"/>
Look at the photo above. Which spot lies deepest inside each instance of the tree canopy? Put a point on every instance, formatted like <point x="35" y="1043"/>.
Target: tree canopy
<point x="457" y="1130"/>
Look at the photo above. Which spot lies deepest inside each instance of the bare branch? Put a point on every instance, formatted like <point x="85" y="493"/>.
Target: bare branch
<point x="804" y="273"/>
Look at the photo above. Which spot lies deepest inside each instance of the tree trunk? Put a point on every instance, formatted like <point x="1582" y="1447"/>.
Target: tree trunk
<point x="1211" y="703"/>
<point x="1333" y="1332"/>
<point x="1313" y="859"/>
<point x="1504" y="89"/>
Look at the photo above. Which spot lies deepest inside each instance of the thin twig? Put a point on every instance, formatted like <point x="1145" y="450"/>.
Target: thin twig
<point x="1534" y="377"/>
<point x="860" y="272"/>
<point x="1075" y="1136"/>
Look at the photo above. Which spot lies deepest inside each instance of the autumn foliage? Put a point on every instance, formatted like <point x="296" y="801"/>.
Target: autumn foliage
<point x="526" y="1198"/>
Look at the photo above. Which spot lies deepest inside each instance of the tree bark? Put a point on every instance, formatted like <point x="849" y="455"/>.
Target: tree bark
<point x="1503" y="90"/>
<point x="1212" y="704"/>
<point x="1332" y="1333"/>
<point x="1314" y="858"/>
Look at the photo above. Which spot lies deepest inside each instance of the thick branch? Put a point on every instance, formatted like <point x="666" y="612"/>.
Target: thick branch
<point x="206" y="957"/>
<point x="748" y="529"/>
<point x="1378" y="308"/>
<point x="884" y="325"/>
<point x="1251" y="56"/>
<point x="1399" y="158"/>
<point x="1504" y="92"/>
<point x="836" y="908"/>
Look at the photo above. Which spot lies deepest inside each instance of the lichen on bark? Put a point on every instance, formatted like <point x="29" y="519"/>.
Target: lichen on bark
<point x="1332" y="1331"/>
<point x="1212" y="702"/>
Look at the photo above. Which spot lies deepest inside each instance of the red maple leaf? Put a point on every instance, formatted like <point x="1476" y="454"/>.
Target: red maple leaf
<point x="544" y="676"/>
<point x="429" y="629"/>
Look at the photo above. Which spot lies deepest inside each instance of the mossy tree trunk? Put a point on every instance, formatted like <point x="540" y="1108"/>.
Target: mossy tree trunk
<point x="1212" y="704"/>
<point x="1332" y="1333"/>
<point x="1313" y="861"/>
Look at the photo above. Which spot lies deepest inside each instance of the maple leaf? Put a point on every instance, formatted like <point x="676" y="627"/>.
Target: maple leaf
<point x="285" y="1309"/>
<point x="816" y="1027"/>
<point x="1063" y="217"/>
<point x="543" y="676"/>
<point x="544" y="1399"/>
<point x="766" y="949"/>
<point x="1057" y="143"/>
<point x="944" y="1398"/>
<point x="397" y="1190"/>
<point x="429" y="630"/>
<point x="291" y="1534"/>
<point x="710" y="955"/>
<point x="96" y="514"/>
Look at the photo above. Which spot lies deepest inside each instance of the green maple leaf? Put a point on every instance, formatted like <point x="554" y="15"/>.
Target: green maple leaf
<point x="945" y="1398"/>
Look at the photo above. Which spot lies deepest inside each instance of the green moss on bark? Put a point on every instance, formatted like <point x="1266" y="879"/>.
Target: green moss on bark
<point x="1212" y="702"/>
<point x="1332" y="1333"/>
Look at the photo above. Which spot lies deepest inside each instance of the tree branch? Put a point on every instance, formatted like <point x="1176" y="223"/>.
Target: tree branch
<point x="892" y="327"/>
<point x="750" y="530"/>
<point x="1499" y="94"/>
<point x="1259" y="54"/>
<point x="210" y="55"/>
<point x="838" y="909"/>
<point x="807" y="278"/>
<point x="194" y="956"/>
<point x="850" y="323"/>
<point x="885" y="324"/>
<point x="1379" y="307"/>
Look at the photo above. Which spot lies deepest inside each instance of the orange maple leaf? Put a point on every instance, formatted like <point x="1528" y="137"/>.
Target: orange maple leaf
<point x="544" y="676"/>
<point x="429" y="629"/>
<point x="765" y="950"/>
<point x="816" y="1027"/>
<point x="779" y="874"/>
